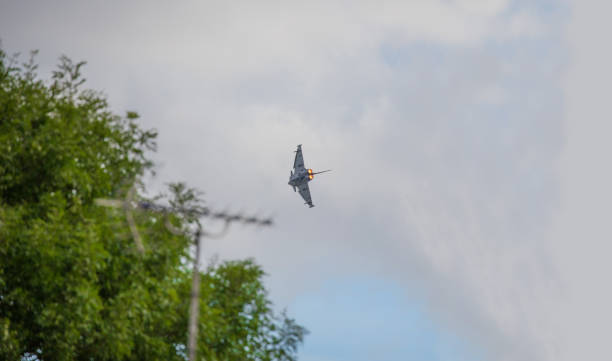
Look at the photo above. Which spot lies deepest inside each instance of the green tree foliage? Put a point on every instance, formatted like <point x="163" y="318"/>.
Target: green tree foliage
<point x="72" y="284"/>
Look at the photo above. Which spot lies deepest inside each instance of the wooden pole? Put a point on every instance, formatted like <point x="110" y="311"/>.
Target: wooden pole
<point x="194" y="307"/>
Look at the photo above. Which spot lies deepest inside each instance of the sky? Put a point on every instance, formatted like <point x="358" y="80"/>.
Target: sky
<point x="466" y="216"/>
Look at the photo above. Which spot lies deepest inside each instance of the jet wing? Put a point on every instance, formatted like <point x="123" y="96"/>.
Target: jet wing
<point x="299" y="158"/>
<point x="305" y="193"/>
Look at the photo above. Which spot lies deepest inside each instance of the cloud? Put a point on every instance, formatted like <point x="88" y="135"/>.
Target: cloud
<point x="431" y="186"/>
<point x="581" y="234"/>
<point x="440" y="120"/>
<point x="220" y="39"/>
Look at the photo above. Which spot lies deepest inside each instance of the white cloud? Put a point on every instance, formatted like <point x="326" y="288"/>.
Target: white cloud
<point x="582" y="233"/>
<point x="492" y="95"/>
<point x="525" y="23"/>
<point x="221" y="39"/>
<point x="442" y="148"/>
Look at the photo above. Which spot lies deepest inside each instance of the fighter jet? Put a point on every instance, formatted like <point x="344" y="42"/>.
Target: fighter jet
<point x="300" y="176"/>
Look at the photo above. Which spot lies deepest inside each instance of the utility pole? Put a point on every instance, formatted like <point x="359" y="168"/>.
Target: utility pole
<point x="129" y="204"/>
<point x="194" y="306"/>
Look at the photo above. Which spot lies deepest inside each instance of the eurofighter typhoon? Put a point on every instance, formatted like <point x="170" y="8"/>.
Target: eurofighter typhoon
<point x="300" y="176"/>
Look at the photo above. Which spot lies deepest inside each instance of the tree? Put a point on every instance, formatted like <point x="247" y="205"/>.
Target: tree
<point x="72" y="284"/>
